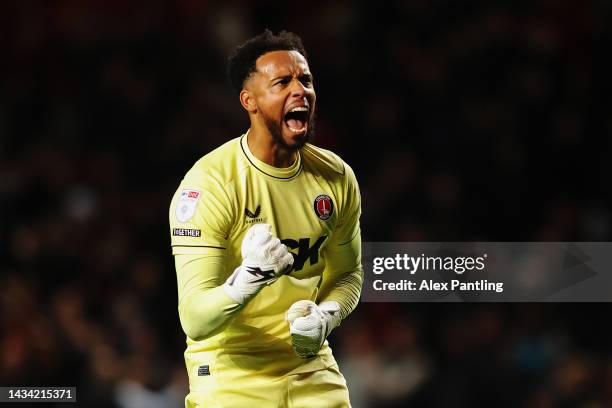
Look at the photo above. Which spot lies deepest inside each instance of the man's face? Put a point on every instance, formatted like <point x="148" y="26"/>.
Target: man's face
<point x="284" y="93"/>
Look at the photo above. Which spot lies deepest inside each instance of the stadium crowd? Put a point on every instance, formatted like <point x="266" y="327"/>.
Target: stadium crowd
<point x="486" y="121"/>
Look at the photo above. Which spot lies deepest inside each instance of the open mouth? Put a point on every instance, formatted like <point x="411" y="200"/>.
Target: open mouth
<point x="296" y="119"/>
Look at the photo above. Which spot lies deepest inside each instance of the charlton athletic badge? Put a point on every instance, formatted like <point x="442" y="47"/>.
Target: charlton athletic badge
<point x="323" y="207"/>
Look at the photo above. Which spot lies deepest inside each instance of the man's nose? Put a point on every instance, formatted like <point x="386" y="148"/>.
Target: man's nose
<point x="297" y="88"/>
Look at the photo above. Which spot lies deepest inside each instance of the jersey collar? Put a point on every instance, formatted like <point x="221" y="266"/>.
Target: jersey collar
<point x="283" y="173"/>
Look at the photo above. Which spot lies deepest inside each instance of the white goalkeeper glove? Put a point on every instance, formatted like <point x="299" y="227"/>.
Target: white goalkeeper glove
<point x="310" y="325"/>
<point x="264" y="260"/>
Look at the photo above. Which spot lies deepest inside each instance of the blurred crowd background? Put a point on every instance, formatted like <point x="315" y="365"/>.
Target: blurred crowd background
<point x="464" y="121"/>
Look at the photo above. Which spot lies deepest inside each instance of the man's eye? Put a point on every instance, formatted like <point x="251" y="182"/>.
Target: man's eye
<point x="306" y="80"/>
<point x="283" y="81"/>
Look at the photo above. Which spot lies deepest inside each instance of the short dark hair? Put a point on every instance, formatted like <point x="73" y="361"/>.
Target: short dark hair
<point x="242" y="62"/>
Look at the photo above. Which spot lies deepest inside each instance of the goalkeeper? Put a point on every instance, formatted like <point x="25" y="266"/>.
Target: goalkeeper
<point x="267" y="246"/>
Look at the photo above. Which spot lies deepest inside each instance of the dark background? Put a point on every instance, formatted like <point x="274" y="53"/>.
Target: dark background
<point x="465" y="121"/>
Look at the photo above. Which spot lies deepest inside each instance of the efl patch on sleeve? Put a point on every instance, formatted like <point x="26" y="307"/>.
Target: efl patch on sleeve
<point x="187" y="204"/>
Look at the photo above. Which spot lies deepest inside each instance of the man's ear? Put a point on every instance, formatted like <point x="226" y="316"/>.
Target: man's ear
<point x="247" y="100"/>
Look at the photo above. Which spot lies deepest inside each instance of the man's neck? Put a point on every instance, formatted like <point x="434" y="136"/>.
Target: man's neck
<point x="263" y="147"/>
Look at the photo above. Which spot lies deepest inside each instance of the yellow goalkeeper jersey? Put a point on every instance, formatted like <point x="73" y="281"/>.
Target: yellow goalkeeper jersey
<point x="313" y="207"/>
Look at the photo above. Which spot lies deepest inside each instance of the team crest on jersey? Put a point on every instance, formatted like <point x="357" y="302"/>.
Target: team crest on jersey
<point x="186" y="206"/>
<point x="323" y="207"/>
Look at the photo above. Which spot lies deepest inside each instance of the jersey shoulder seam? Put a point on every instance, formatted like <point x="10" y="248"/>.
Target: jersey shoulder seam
<point x="325" y="157"/>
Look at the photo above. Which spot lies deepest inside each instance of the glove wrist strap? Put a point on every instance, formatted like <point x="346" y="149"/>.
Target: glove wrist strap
<point x="239" y="290"/>
<point x="331" y="311"/>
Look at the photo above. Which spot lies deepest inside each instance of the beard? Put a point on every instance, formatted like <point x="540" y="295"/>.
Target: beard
<point x="276" y="130"/>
